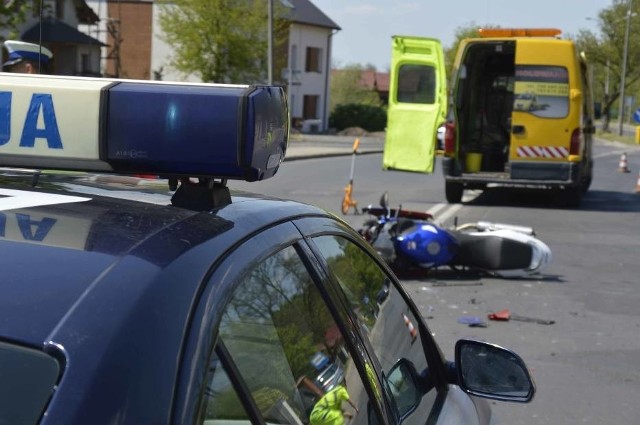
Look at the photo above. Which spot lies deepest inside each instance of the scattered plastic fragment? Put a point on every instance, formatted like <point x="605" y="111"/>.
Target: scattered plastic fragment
<point x="505" y="315"/>
<point x="473" y="321"/>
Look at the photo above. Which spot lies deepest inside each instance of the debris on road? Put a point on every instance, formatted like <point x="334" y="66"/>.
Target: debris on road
<point x="505" y="315"/>
<point x="472" y="321"/>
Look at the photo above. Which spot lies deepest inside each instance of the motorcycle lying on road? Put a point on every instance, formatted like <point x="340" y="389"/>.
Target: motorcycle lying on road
<point x="410" y="239"/>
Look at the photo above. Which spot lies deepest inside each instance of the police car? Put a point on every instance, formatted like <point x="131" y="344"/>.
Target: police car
<point x="187" y="305"/>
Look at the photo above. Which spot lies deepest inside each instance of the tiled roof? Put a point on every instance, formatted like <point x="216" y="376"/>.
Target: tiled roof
<point x="378" y="81"/>
<point x="305" y="12"/>
<point x="55" y="31"/>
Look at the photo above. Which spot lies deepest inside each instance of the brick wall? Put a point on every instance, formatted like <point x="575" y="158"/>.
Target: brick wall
<point x="136" y="29"/>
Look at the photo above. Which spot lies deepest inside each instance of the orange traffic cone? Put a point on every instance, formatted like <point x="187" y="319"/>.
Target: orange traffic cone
<point x="638" y="184"/>
<point x="412" y="330"/>
<point x="622" y="167"/>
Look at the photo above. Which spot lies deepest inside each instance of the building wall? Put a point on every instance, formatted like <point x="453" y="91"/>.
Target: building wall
<point x="135" y="28"/>
<point x="309" y="83"/>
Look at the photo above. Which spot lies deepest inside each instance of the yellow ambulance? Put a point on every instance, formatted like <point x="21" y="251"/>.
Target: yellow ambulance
<point x="521" y="115"/>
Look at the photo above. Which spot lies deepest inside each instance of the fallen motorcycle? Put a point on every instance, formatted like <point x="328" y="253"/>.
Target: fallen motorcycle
<point x="410" y="239"/>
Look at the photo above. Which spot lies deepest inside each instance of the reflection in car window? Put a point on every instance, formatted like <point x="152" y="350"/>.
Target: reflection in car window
<point x="223" y="402"/>
<point x="416" y="84"/>
<point x="388" y="322"/>
<point x="290" y="354"/>
<point x="27" y="380"/>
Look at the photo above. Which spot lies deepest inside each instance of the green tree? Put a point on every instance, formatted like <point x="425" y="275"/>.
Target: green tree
<point x="12" y="14"/>
<point x="347" y="87"/>
<point x="605" y="51"/>
<point x="222" y="41"/>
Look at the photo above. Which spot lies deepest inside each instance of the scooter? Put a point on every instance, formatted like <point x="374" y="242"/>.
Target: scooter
<point x="411" y="239"/>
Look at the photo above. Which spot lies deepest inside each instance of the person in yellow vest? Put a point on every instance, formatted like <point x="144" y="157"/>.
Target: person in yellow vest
<point x="27" y="58"/>
<point x="328" y="410"/>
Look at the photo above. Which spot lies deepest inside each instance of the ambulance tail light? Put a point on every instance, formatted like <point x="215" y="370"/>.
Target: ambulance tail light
<point x="575" y="144"/>
<point x="450" y="139"/>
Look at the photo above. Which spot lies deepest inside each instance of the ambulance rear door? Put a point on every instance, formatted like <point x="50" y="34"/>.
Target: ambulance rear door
<point x="417" y="104"/>
<point x="545" y="115"/>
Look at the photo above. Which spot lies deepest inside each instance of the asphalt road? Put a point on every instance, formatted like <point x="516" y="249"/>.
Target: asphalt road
<point x="586" y="363"/>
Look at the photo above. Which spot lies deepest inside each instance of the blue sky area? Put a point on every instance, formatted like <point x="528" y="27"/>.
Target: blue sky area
<point x="367" y="25"/>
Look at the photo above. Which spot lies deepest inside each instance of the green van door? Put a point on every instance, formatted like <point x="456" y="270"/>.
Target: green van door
<point x="417" y="104"/>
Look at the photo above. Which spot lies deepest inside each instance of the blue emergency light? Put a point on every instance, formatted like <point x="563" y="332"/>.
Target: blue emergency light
<point x="128" y="126"/>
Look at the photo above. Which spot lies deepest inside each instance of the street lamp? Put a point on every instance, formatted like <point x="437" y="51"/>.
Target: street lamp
<point x="624" y="70"/>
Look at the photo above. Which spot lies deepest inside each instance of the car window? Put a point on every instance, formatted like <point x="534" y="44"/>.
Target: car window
<point x="388" y="322"/>
<point x="222" y="400"/>
<point x="27" y="380"/>
<point x="288" y="351"/>
<point x="416" y="84"/>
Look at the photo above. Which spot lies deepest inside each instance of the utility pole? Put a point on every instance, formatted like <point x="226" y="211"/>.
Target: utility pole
<point x="624" y="70"/>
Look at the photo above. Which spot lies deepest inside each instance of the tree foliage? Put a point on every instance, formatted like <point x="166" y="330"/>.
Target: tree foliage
<point x="12" y="14"/>
<point x="221" y="41"/>
<point x="605" y="51"/>
<point x="368" y="117"/>
<point x="347" y="87"/>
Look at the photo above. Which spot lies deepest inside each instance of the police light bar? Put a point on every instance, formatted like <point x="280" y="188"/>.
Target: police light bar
<point x="132" y="127"/>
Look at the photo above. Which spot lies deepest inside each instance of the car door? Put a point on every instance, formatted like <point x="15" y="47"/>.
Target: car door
<point x="262" y="333"/>
<point x="391" y="326"/>
<point x="417" y="104"/>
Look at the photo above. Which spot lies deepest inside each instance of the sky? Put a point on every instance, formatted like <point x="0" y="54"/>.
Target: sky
<point x="367" y="25"/>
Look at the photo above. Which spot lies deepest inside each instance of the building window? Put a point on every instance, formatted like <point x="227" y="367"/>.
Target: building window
<point x="310" y="107"/>
<point x="314" y="60"/>
<point x="84" y="63"/>
<point x="293" y="61"/>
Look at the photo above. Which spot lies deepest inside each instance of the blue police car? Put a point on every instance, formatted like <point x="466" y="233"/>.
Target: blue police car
<point x="189" y="305"/>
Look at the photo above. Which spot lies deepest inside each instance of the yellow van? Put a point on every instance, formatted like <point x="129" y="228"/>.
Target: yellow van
<point x="521" y="114"/>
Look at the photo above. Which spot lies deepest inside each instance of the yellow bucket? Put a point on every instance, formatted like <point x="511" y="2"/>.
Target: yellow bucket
<point x="473" y="162"/>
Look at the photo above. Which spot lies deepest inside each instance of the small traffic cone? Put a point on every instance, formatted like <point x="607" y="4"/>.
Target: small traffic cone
<point x="638" y="184"/>
<point x="622" y="167"/>
<point x="412" y="330"/>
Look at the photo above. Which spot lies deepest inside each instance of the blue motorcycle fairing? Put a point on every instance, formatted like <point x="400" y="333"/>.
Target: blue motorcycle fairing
<point x="427" y="244"/>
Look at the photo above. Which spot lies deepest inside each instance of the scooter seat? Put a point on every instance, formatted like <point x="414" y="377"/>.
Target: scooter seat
<point x="492" y="252"/>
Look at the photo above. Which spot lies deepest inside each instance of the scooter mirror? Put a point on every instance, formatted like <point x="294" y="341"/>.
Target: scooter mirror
<point x="384" y="200"/>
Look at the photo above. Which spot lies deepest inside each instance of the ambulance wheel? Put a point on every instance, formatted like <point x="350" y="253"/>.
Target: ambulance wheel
<point x="453" y="192"/>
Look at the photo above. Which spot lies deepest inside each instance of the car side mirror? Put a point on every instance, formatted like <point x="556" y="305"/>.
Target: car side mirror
<point x="490" y="371"/>
<point x="402" y="385"/>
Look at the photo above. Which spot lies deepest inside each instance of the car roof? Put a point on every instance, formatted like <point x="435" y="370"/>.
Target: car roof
<point x="59" y="257"/>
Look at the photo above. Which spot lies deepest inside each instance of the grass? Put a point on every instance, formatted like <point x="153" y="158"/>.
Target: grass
<point x="613" y="136"/>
